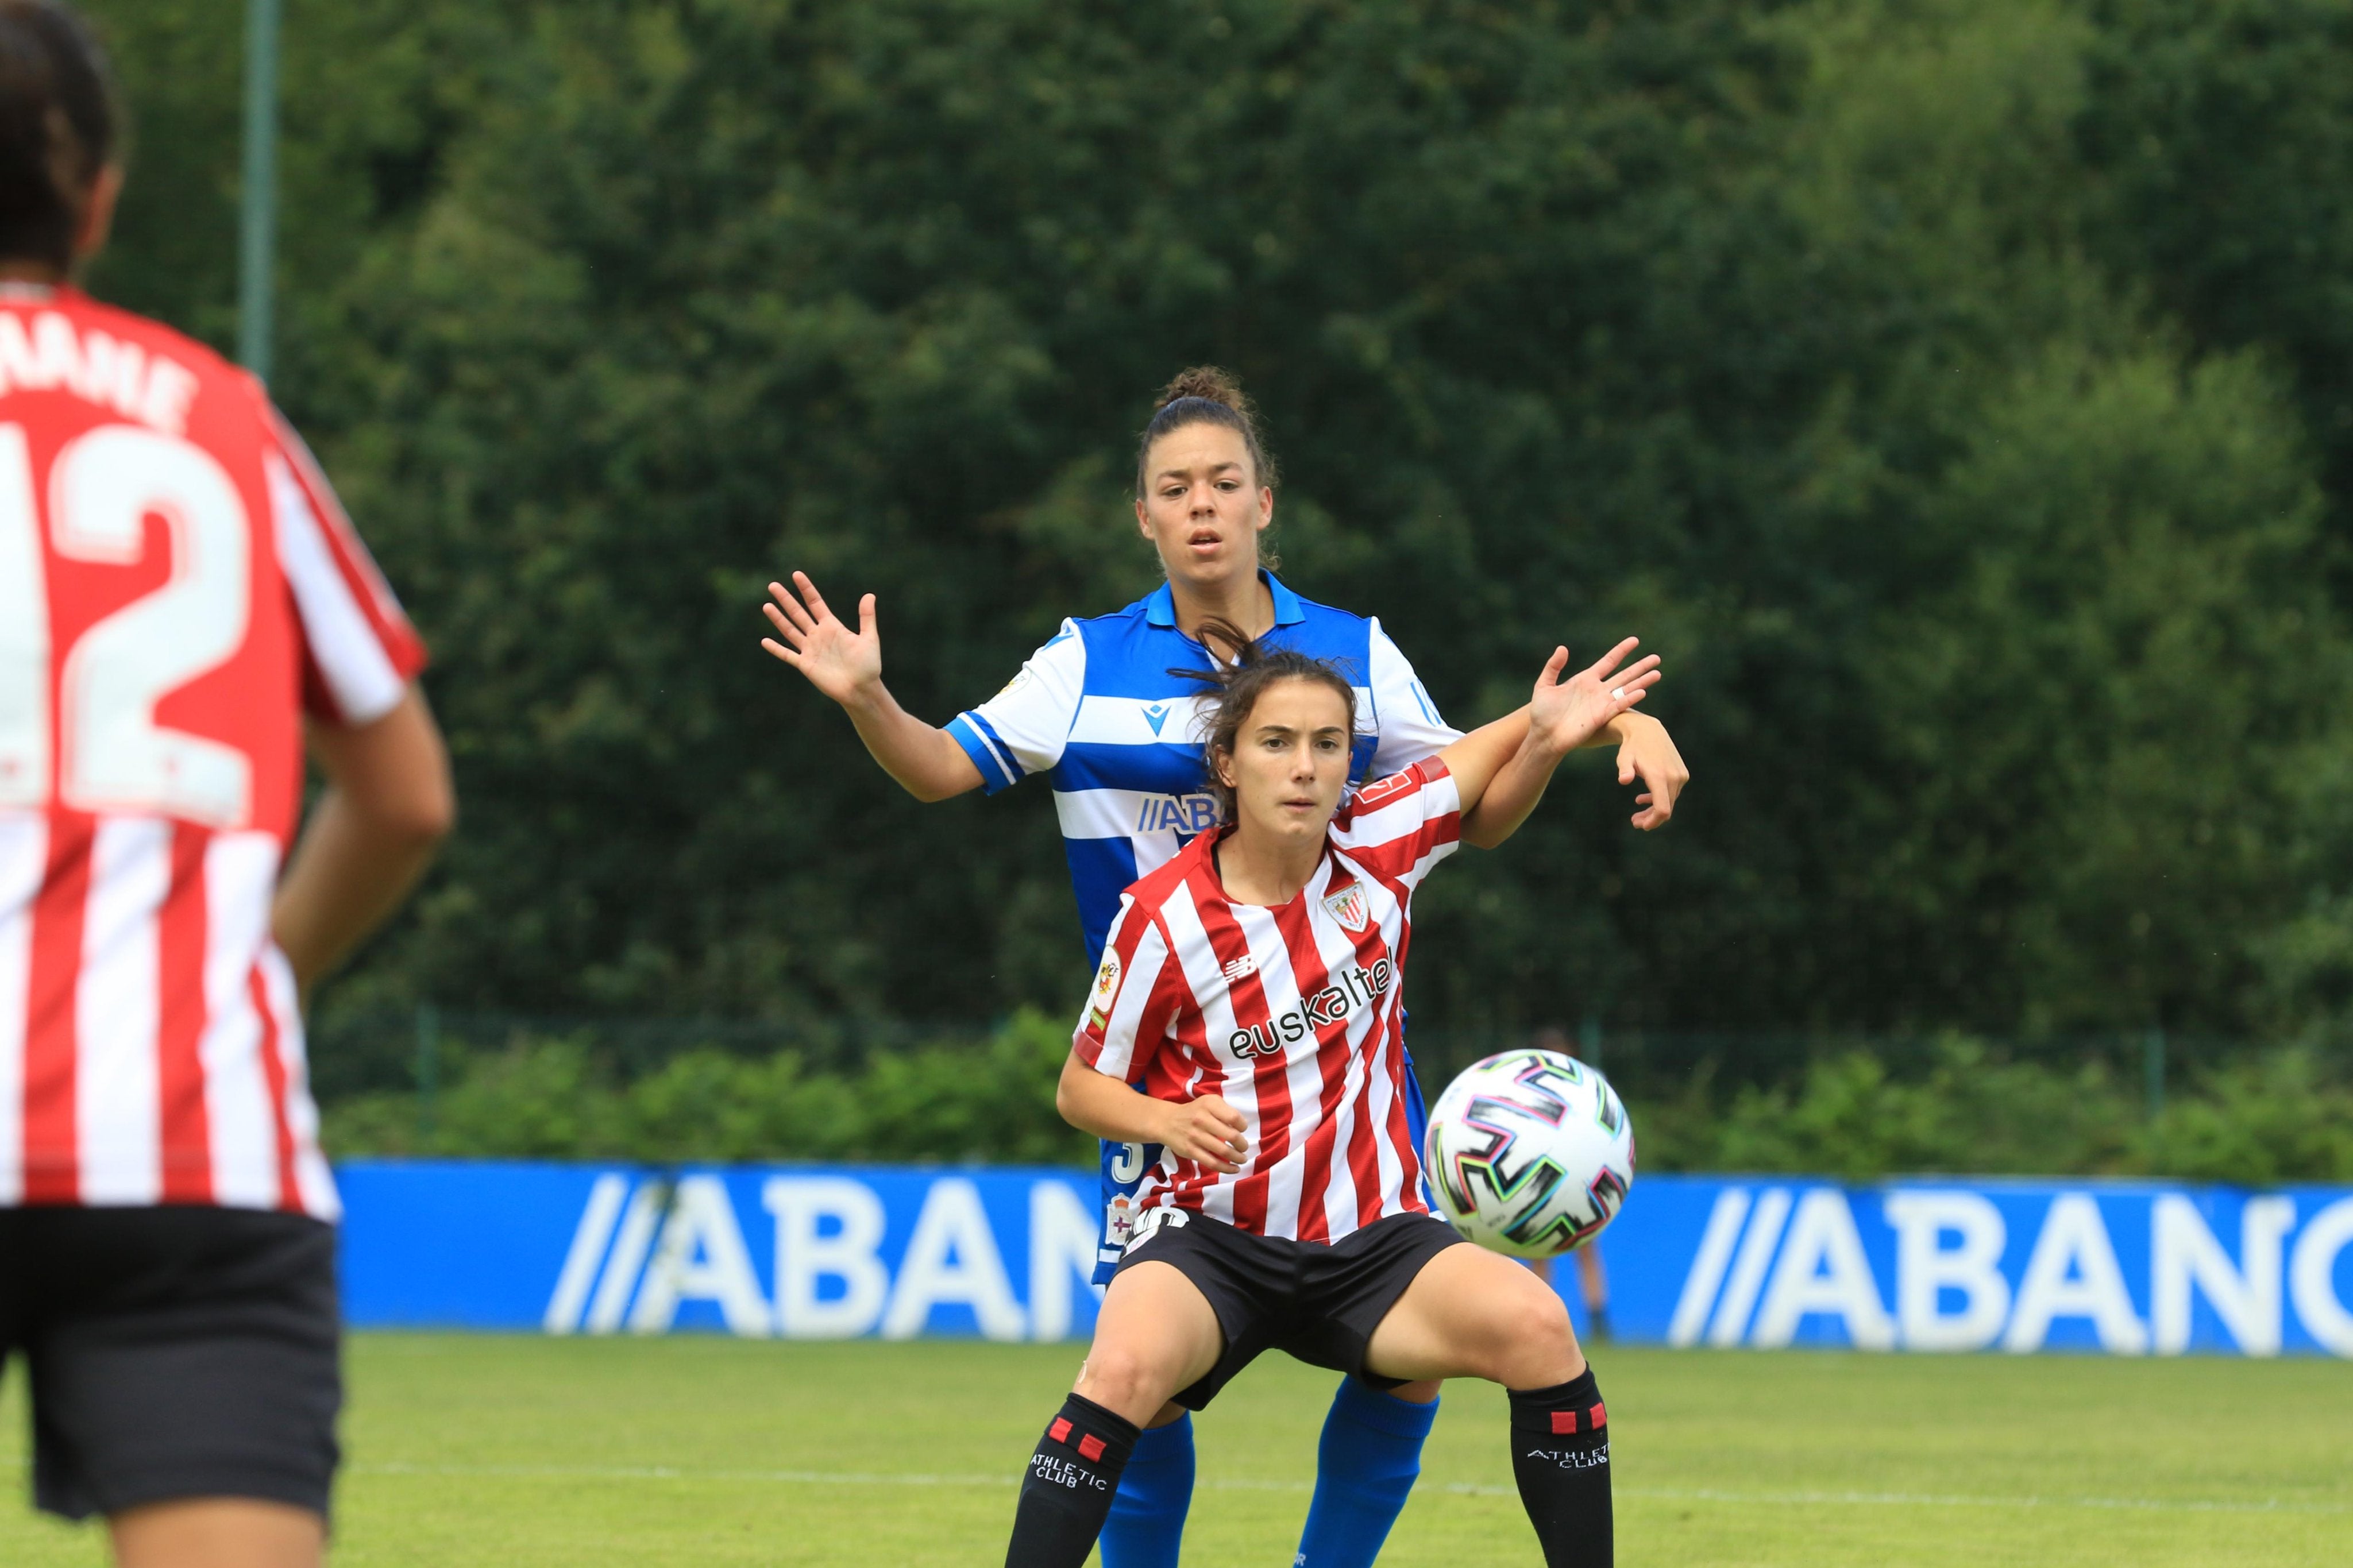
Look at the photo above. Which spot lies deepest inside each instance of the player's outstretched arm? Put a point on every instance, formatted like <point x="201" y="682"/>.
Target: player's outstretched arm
<point x="1501" y="769"/>
<point x="1207" y="1129"/>
<point x="847" y="666"/>
<point x="1645" y="750"/>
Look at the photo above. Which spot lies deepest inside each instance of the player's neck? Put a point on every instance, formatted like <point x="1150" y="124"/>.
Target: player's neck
<point x="21" y="271"/>
<point x="1245" y="601"/>
<point x="1269" y="871"/>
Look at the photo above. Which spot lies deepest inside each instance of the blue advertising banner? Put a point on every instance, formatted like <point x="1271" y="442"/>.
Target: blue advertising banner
<point x="1918" y="1264"/>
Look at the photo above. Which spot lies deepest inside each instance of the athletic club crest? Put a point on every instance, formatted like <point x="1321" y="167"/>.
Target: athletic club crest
<point x="1349" y="907"/>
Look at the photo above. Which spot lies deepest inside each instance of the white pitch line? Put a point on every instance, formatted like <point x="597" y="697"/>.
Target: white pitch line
<point x="671" y="1473"/>
<point x="1659" y="1494"/>
<point x="1934" y="1500"/>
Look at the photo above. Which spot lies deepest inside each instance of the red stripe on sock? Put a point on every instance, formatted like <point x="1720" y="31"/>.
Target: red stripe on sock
<point x="1564" y="1422"/>
<point x="1090" y="1447"/>
<point x="1059" y="1430"/>
<point x="1599" y="1417"/>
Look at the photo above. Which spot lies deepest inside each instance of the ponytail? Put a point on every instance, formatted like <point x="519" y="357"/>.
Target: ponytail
<point x="1236" y="687"/>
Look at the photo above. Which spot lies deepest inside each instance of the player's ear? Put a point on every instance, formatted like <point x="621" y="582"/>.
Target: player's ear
<point x="97" y="213"/>
<point x="1142" y="520"/>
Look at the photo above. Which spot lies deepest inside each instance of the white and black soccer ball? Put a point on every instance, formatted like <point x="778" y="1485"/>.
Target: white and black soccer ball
<point x="1531" y="1153"/>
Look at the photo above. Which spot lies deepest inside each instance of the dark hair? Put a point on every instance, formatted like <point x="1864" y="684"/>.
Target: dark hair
<point x="1204" y="396"/>
<point x="58" y="128"/>
<point x="1236" y="687"/>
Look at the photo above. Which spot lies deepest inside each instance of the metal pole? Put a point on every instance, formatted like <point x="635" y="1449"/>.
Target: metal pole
<point x="1589" y="1042"/>
<point x="257" y="232"/>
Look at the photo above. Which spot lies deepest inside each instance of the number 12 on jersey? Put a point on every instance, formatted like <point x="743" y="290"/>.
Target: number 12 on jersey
<point x="113" y="755"/>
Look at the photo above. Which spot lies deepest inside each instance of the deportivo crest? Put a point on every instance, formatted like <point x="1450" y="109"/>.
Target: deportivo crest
<point x="1106" y="992"/>
<point x="1349" y="906"/>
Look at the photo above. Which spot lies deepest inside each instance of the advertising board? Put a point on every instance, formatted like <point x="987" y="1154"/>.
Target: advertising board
<point x="1916" y="1264"/>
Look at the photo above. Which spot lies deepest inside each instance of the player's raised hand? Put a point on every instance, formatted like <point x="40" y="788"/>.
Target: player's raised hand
<point x="1207" y="1131"/>
<point x="837" y="661"/>
<point x="1565" y="714"/>
<point x="1646" y="752"/>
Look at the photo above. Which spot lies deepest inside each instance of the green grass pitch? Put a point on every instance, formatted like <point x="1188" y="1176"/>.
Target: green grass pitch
<point x="519" y="1452"/>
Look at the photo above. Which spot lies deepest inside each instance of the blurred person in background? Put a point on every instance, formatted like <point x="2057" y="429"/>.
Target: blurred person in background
<point x="1100" y="711"/>
<point x="1592" y="1284"/>
<point x="182" y="605"/>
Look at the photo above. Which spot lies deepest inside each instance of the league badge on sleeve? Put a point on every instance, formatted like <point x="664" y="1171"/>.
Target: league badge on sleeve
<point x="1106" y="992"/>
<point x="1348" y="906"/>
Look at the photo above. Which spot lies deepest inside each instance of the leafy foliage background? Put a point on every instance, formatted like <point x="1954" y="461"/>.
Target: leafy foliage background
<point x="1959" y="397"/>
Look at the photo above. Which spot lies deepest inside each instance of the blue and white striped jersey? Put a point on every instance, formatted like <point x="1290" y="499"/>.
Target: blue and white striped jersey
<point x="1097" y="711"/>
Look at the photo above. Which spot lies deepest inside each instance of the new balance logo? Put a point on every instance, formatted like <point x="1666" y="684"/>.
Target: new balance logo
<point x="1148" y="1224"/>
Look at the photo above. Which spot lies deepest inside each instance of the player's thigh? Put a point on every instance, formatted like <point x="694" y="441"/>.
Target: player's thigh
<point x="1156" y="1333"/>
<point x="218" y="1532"/>
<point x="1470" y="1313"/>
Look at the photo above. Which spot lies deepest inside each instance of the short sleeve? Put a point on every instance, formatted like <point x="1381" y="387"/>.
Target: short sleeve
<point x="1021" y="730"/>
<point x="1399" y="826"/>
<point x="1137" y="990"/>
<point x="1411" y="727"/>
<point x="359" y="652"/>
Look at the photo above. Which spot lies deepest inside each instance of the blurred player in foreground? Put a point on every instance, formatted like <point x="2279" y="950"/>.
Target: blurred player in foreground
<point x="1098" y="712"/>
<point x="179" y="594"/>
<point x="1592" y="1284"/>
<point x="1255" y="982"/>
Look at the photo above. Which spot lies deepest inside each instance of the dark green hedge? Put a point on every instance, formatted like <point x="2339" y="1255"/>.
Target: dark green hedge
<point x="2260" y="1119"/>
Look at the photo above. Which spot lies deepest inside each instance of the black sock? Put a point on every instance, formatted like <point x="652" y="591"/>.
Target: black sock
<point x="1066" y="1495"/>
<point x="1560" y="1457"/>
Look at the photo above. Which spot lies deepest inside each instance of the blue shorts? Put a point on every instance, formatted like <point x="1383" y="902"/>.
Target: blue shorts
<point x="1123" y="1165"/>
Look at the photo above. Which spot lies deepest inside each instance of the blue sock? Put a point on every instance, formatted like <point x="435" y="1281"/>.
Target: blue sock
<point x="1365" y="1466"/>
<point x="1147" y="1514"/>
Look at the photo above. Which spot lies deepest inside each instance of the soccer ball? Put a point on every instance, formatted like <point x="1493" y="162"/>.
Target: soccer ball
<point x="1531" y="1153"/>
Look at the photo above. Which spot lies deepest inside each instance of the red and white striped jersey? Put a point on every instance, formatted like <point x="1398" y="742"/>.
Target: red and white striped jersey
<point x="1291" y="1015"/>
<point x="179" y="588"/>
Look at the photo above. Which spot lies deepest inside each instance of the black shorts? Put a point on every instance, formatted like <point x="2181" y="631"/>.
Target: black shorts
<point x="1319" y="1301"/>
<point x="174" y="1352"/>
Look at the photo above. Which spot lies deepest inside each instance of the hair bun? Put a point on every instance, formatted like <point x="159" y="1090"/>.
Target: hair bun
<point x="1208" y="383"/>
<point x="1205" y="394"/>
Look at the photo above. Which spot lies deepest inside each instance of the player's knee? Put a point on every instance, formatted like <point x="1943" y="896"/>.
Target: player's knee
<point x="1117" y="1378"/>
<point x="1531" y="1341"/>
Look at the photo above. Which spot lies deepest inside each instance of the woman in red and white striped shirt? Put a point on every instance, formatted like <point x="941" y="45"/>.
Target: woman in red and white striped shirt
<point x="183" y="607"/>
<point x="1255" y="986"/>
